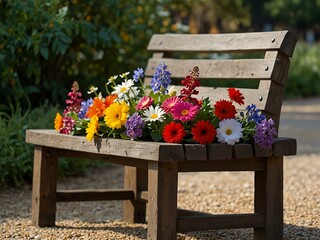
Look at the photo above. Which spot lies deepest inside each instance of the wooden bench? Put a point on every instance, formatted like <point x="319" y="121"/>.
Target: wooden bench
<point x="151" y="169"/>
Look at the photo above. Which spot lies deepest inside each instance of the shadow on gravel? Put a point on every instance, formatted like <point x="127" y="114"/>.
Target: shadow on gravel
<point x="291" y="232"/>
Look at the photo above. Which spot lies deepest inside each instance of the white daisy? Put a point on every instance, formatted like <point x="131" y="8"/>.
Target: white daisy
<point x="154" y="114"/>
<point x="123" y="89"/>
<point x="229" y="131"/>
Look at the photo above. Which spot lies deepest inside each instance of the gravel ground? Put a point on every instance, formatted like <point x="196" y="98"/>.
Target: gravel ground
<point x="212" y="192"/>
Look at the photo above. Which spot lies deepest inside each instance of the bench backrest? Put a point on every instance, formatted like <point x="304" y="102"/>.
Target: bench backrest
<point x="263" y="57"/>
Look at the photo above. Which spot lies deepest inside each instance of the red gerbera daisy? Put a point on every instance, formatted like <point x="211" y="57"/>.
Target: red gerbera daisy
<point x="236" y="95"/>
<point x="224" y="109"/>
<point x="173" y="132"/>
<point x="203" y="132"/>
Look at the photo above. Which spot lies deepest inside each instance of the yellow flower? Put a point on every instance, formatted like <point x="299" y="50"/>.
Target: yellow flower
<point x="58" y="122"/>
<point x="92" y="128"/>
<point x="116" y="115"/>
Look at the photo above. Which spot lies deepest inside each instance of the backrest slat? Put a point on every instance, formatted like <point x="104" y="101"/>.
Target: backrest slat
<point x="182" y="52"/>
<point x="229" y="42"/>
<point x="218" y="69"/>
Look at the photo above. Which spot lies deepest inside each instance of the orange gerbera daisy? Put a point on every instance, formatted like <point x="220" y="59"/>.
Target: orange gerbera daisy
<point x="110" y="99"/>
<point x="97" y="108"/>
<point x="58" y="122"/>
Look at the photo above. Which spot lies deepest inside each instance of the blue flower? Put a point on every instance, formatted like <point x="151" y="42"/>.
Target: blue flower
<point x="84" y="108"/>
<point x="139" y="73"/>
<point x="254" y="114"/>
<point x="161" y="78"/>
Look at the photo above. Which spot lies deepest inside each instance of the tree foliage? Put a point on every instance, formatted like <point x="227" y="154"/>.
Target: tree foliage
<point x="46" y="45"/>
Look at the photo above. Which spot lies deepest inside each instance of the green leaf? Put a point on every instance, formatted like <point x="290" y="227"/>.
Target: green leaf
<point x="156" y="135"/>
<point x="44" y="52"/>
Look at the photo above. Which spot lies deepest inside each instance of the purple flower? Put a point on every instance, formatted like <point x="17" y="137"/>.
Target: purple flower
<point x="134" y="126"/>
<point x="139" y="73"/>
<point x="84" y="108"/>
<point x="265" y="132"/>
<point x="161" y="78"/>
<point x="254" y="114"/>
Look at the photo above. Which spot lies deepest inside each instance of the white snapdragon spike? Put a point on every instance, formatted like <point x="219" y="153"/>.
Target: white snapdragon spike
<point x="153" y="114"/>
<point x="92" y="89"/>
<point x="229" y="131"/>
<point x="123" y="89"/>
<point x="112" y="79"/>
<point x="123" y="75"/>
<point x="172" y="91"/>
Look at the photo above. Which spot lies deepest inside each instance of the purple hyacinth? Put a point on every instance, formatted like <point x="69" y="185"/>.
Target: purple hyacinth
<point x="84" y="108"/>
<point x="139" y="73"/>
<point x="265" y="132"/>
<point x="254" y="114"/>
<point x="161" y="78"/>
<point x="134" y="126"/>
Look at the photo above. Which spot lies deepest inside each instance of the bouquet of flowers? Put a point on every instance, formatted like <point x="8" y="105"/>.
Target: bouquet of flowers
<point x="156" y="112"/>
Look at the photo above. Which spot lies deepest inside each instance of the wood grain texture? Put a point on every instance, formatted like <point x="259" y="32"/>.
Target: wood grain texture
<point x="44" y="187"/>
<point x="218" y="69"/>
<point x="231" y="42"/>
<point x="268" y="199"/>
<point x="162" y="200"/>
<point x="136" y="179"/>
<point x="113" y="147"/>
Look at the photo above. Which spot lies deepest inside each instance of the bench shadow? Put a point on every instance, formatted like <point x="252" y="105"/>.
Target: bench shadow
<point x="291" y="232"/>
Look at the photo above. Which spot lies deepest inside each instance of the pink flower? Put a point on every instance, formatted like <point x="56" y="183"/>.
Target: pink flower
<point x="184" y="111"/>
<point x="169" y="103"/>
<point x="144" y="103"/>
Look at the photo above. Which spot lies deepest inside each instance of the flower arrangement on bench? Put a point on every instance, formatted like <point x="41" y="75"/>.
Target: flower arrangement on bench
<point x="158" y="113"/>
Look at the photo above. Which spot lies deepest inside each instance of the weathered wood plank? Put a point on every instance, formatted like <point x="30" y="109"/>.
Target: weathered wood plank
<point x="162" y="200"/>
<point x="231" y="42"/>
<point x="134" y="210"/>
<point x="217" y="151"/>
<point x="115" y="147"/>
<point x="93" y="195"/>
<point x="242" y="150"/>
<point x="195" y="152"/>
<point x="262" y="152"/>
<point x="268" y="199"/>
<point x="284" y="147"/>
<point x="252" y="96"/>
<point x="44" y="187"/>
<point x="201" y="223"/>
<point x="218" y="69"/>
<point x="251" y="164"/>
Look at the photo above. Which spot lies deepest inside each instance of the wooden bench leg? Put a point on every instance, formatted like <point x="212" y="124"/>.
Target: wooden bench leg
<point x="269" y="199"/>
<point x="162" y="200"/>
<point x="44" y="187"/>
<point x="134" y="211"/>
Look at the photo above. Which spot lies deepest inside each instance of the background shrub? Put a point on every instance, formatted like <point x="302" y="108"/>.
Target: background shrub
<point x="304" y="73"/>
<point x="46" y="45"/>
<point x="16" y="157"/>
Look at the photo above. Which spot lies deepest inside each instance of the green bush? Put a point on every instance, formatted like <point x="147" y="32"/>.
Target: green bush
<point x="16" y="157"/>
<point x="304" y="72"/>
<point x="45" y="45"/>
